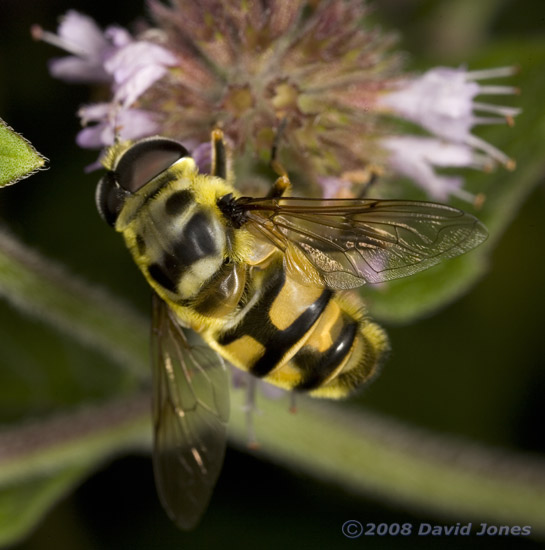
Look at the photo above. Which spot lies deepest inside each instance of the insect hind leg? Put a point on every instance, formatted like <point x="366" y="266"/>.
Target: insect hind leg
<point x="250" y="409"/>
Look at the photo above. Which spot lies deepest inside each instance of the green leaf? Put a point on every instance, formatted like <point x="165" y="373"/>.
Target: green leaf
<point x="18" y="159"/>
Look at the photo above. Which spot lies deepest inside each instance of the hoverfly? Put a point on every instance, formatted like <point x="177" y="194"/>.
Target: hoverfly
<point x="259" y="280"/>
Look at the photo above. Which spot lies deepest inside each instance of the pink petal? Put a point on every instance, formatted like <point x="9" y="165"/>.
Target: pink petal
<point x="132" y="88"/>
<point x="94" y="112"/>
<point x="135" y="56"/>
<point x="118" y="36"/>
<point x="415" y="158"/>
<point x="136" y="123"/>
<point x="78" y="70"/>
<point x="95" y="137"/>
<point x="81" y="31"/>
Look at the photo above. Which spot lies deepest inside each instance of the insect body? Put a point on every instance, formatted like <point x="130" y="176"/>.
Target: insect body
<point x="259" y="279"/>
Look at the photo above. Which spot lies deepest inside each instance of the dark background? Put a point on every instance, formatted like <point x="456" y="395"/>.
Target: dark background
<point x="475" y="369"/>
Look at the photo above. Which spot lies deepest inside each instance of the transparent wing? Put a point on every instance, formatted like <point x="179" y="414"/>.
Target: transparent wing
<point x="190" y="412"/>
<point x="350" y="242"/>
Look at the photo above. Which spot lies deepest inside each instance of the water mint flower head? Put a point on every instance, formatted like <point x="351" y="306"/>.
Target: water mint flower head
<point x="250" y="66"/>
<point x="315" y="69"/>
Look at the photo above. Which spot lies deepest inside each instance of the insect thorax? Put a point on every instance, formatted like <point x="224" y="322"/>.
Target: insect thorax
<point x="185" y="248"/>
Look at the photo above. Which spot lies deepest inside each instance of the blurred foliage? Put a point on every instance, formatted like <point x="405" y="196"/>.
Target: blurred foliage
<point x="475" y="369"/>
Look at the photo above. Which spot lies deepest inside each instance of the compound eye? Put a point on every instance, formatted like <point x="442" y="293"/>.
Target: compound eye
<point x="109" y="198"/>
<point x="145" y="160"/>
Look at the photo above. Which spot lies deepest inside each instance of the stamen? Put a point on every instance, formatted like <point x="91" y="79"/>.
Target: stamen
<point x="488" y="120"/>
<point x="497" y="72"/>
<point x="464" y="195"/>
<point x="479" y="200"/>
<point x="481" y="162"/>
<point x="498" y="109"/>
<point x="494" y="153"/>
<point x="510" y="121"/>
<point x="498" y="90"/>
<point x="40" y="35"/>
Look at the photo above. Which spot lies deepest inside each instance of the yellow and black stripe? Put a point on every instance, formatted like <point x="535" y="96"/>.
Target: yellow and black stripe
<point x="302" y="338"/>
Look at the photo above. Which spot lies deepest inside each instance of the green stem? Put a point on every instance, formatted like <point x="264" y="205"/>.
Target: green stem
<point x="88" y="435"/>
<point x="360" y="451"/>
<point x="369" y="454"/>
<point x="46" y="290"/>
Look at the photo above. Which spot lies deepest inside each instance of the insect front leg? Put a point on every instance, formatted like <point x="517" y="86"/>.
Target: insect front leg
<point x="279" y="187"/>
<point x="219" y="155"/>
<point x="367" y="179"/>
<point x="282" y="183"/>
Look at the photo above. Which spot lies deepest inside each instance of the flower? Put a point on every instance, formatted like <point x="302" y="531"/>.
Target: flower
<point x="442" y="102"/>
<point x="311" y="68"/>
<point x="114" y="57"/>
<point x="416" y="157"/>
<point x="112" y="121"/>
<point x="135" y="67"/>
<point x="89" y="46"/>
<point x="309" y="78"/>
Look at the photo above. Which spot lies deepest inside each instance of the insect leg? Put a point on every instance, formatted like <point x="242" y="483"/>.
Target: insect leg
<point x="219" y="156"/>
<point x="279" y="187"/>
<point x="372" y="176"/>
<point x="249" y="409"/>
<point x="293" y="402"/>
<point x="282" y="184"/>
<point x="275" y="163"/>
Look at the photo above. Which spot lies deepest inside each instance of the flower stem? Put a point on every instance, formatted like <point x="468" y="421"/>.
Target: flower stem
<point x="84" y="436"/>
<point x="435" y="474"/>
<point x="46" y="290"/>
<point x="366" y="454"/>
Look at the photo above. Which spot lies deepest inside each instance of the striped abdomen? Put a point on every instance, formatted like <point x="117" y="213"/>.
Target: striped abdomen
<point x="297" y="337"/>
<point x="301" y="337"/>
